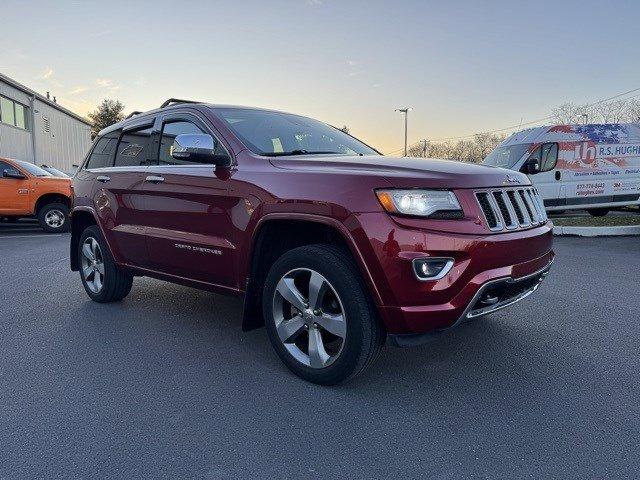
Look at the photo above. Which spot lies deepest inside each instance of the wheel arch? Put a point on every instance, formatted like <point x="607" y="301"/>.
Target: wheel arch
<point x="273" y="236"/>
<point x="48" y="198"/>
<point x="81" y="218"/>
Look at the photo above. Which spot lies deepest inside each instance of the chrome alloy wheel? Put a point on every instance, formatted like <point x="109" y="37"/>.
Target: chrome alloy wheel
<point x="92" y="265"/>
<point x="309" y="318"/>
<point x="54" y="218"/>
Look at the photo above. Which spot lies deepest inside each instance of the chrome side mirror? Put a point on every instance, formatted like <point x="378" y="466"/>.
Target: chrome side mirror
<point x="198" y="148"/>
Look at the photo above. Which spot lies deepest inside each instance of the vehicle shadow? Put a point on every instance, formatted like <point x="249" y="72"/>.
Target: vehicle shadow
<point x="486" y="353"/>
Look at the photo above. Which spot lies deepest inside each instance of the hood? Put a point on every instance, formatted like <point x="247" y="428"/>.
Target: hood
<point x="405" y="172"/>
<point x="54" y="180"/>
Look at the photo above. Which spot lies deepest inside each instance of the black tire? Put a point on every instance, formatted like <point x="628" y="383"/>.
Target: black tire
<point x="365" y="335"/>
<point x="598" y="212"/>
<point x="117" y="283"/>
<point x="54" y="211"/>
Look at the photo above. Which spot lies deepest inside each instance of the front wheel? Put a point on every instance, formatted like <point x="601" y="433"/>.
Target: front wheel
<point x="54" y="217"/>
<point x="318" y="315"/>
<point x="102" y="279"/>
<point x="598" y="212"/>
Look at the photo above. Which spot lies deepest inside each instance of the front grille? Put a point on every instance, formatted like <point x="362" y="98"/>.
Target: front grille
<point x="511" y="208"/>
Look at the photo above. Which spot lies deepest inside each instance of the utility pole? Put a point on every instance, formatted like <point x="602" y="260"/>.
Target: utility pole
<point x="424" y="148"/>
<point x="405" y="111"/>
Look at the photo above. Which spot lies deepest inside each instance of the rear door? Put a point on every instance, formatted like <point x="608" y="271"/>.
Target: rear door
<point x="189" y="212"/>
<point x="118" y="196"/>
<point x="15" y="194"/>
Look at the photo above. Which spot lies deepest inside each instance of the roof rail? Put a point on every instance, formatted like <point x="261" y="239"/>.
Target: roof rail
<point x="171" y="101"/>
<point x="135" y="112"/>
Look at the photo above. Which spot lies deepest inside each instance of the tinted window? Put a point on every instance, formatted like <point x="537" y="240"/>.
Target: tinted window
<point x="102" y="154"/>
<point x="170" y="131"/>
<point x="3" y="167"/>
<point x="276" y="133"/>
<point x="549" y="157"/>
<point x="134" y="149"/>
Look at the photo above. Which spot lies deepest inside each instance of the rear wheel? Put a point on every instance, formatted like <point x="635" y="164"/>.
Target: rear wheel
<point x="598" y="212"/>
<point x="318" y="315"/>
<point x="54" y="217"/>
<point x="103" y="281"/>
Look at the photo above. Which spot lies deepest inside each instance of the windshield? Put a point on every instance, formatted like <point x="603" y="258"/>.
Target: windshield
<point x="506" y="157"/>
<point x="280" y="134"/>
<point x="55" y="172"/>
<point x="33" y="169"/>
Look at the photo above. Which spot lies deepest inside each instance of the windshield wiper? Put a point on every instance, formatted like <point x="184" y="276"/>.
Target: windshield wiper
<point x="300" y="152"/>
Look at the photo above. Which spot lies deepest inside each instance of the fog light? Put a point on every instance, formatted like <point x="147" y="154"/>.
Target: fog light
<point x="431" y="268"/>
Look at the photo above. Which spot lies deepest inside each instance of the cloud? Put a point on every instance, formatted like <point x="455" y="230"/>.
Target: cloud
<point x="315" y="3"/>
<point x="47" y="73"/>
<point x="107" y="84"/>
<point x="352" y="63"/>
<point x="78" y="90"/>
<point x="353" y="74"/>
<point x="104" y="82"/>
<point x="376" y="85"/>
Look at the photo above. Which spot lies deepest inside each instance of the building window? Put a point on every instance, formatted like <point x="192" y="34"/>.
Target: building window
<point x="14" y="113"/>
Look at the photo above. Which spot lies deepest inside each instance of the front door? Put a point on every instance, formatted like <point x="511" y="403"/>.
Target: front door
<point x="548" y="181"/>
<point x="188" y="211"/>
<point x="15" y="194"/>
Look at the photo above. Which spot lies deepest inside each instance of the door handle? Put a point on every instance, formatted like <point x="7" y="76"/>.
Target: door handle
<point x="557" y="174"/>
<point x="103" y="178"/>
<point x="154" y="179"/>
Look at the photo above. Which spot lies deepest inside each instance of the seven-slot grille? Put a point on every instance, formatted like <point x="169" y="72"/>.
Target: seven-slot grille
<point x="511" y="208"/>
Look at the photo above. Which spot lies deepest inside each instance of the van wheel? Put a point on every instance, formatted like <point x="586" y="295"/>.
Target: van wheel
<point x="103" y="281"/>
<point x="318" y="315"/>
<point x="54" y="218"/>
<point x="598" y="212"/>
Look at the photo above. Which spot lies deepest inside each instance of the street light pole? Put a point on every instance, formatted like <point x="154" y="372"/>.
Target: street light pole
<point x="405" y="111"/>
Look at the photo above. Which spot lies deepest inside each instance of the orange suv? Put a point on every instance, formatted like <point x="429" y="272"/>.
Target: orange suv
<point x="27" y="190"/>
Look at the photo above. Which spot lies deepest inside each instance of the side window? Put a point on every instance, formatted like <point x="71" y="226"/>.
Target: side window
<point x="134" y="149"/>
<point x="549" y="157"/>
<point x="170" y="131"/>
<point x="3" y="167"/>
<point x="102" y="153"/>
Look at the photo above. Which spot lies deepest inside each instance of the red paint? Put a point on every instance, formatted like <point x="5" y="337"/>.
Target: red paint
<point x="147" y="225"/>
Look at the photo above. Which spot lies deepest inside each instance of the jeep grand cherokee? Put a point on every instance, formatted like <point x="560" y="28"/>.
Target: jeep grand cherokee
<point x="333" y="246"/>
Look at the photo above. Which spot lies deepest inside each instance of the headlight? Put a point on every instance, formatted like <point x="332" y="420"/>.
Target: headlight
<point x="423" y="203"/>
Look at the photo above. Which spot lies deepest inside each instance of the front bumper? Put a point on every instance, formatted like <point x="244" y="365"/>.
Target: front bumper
<point x="408" y="306"/>
<point x="491" y="297"/>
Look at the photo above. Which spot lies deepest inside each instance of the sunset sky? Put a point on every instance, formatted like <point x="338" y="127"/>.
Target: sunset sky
<point x="465" y="67"/>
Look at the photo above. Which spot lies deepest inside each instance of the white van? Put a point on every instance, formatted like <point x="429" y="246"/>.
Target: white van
<point x="593" y="167"/>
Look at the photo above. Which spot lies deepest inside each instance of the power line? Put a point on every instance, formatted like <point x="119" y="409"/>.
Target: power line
<point x="531" y="122"/>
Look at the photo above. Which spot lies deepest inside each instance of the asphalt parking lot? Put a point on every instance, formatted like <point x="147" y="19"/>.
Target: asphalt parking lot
<point x="165" y="385"/>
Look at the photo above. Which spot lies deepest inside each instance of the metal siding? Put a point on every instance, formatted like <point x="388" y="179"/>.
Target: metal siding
<point x="66" y="144"/>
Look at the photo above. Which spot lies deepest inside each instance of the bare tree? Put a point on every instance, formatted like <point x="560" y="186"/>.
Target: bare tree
<point x="612" y="112"/>
<point x="473" y="150"/>
<point x="633" y="110"/>
<point x="569" y="113"/>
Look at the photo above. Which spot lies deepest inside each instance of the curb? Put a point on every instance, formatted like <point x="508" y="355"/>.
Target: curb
<point x="597" y="231"/>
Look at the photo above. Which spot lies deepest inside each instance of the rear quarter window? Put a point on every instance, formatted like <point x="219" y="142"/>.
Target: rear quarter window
<point x="103" y="151"/>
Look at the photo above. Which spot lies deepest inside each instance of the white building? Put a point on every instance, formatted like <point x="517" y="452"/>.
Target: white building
<point x="38" y="130"/>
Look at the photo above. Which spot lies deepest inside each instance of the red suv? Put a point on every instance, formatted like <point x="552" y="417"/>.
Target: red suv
<point x="334" y="246"/>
